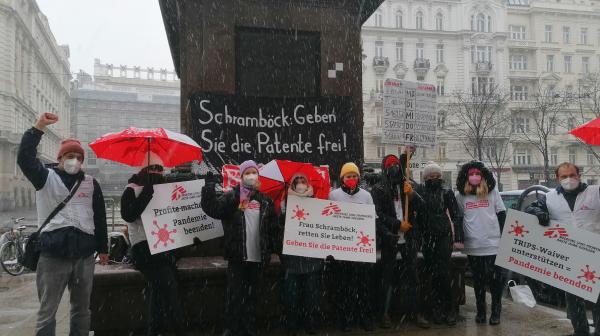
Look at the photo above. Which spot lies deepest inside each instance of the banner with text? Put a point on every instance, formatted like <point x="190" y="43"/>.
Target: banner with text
<point x="232" y="128"/>
<point x="174" y="217"/>
<point x="320" y="228"/>
<point x="559" y="255"/>
<point x="409" y="113"/>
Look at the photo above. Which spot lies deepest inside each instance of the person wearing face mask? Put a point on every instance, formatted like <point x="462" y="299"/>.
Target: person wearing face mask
<point x="573" y="203"/>
<point x="394" y="235"/>
<point x="353" y="286"/>
<point x="437" y="242"/>
<point x="250" y="230"/>
<point x="72" y="235"/>
<point x="483" y="219"/>
<point x="159" y="270"/>
<point x="301" y="275"/>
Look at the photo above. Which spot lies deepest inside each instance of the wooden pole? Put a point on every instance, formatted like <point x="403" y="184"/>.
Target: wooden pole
<point x="407" y="179"/>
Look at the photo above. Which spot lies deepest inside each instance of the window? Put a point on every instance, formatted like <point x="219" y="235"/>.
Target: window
<point x="379" y="85"/>
<point x="548" y="33"/>
<point x="441" y="151"/>
<point x="591" y="159"/>
<point x="572" y="155"/>
<point x="518" y="92"/>
<point x="441" y="122"/>
<point x="379" y="49"/>
<point x="553" y="156"/>
<point x="585" y="65"/>
<point x="481" y="23"/>
<point x="399" y="19"/>
<point x="380" y="151"/>
<point x="568" y="64"/>
<point x="566" y="35"/>
<point x="520" y="125"/>
<point x="439" y="22"/>
<point x="598" y="34"/>
<point x="441" y="87"/>
<point x="583" y="36"/>
<point x="379" y="120"/>
<point x="518" y="62"/>
<point x="481" y="54"/>
<point x="420" y="47"/>
<point x="378" y="18"/>
<point x="571" y="123"/>
<point x="522" y="157"/>
<point x="439" y="53"/>
<point x="399" y="51"/>
<point x="549" y="63"/>
<point x="517" y="32"/>
<point x="481" y="85"/>
<point x="419" y="22"/>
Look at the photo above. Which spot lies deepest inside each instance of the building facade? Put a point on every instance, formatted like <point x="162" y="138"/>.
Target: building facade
<point x="467" y="46"/>
<point x="34" y="78"/>
<point x="115" y="98"/>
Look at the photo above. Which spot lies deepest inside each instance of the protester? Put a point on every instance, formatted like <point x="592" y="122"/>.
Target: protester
<point x="301" y="275"/>
<point x="396" y="235"/>
<point x="159" y="270"/>
<point x="484" y="215"/>
<point x="353" y="285"/>
<point x="578" y="204"/>
<point x="71" y="237"/>
<point x="249" y="225"/>
<point x="441" y="219"/>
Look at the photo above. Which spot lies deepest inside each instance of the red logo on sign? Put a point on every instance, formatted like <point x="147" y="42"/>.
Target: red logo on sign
<point x="300" y="213"/>
<point x="177" y="193"/>
<point x="556" y="232"/>
<point x="83" y="195"/>
<point x="331" y="209"/>
<point x="518" y="230"/>
<point x="163" y="235"/>
<point x="588" y="275"/>
<point x="364" y="240"/>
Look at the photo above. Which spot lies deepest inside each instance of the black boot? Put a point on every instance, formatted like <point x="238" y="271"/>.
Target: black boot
<point x="496" y="310"/>
<point x="481" y="311"/>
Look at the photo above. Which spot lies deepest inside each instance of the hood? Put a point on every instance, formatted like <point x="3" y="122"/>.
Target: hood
<point x="463" y="177"/>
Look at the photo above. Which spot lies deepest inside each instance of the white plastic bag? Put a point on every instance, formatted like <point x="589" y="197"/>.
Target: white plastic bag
<point x="521" y="294"/>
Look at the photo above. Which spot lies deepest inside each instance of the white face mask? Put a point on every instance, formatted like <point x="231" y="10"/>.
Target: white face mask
<point x="72" y="166"/>
<point x="301" y="188"/>
<point x="569" y="184"/>
<point x="250" y="180"/>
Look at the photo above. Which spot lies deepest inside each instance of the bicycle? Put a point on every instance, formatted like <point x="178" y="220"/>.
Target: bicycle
<point x="12" y="250"/>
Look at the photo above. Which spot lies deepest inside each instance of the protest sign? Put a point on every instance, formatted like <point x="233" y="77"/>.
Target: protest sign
<point x="320" y="228"/>
<point x="231" y="176"/>
<point x="560" y="255"/>
<point x="409" y="113"/>
<point x="174" y="217"/>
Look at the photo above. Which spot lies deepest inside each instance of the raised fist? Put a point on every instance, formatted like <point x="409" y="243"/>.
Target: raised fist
<point x="45" y="119"/>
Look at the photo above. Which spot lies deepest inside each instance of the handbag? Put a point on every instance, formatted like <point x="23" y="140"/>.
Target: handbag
<point x="31" y="255"/>
<point x="521" y="294"/>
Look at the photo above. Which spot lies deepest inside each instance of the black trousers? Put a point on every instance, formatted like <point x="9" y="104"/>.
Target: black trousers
<point x="437" y="253"/>
<point x="241" y="297"/>
<point x="407" y="271"/>
<point x="160" y="273"/>
<point x="353" y="292"/>
<point x="577" y="313"/>
<point x="486" y="273"/>
<point x="302" y="298"/>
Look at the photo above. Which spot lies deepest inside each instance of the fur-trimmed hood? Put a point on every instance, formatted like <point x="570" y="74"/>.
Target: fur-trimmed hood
<point x="463" y="176"/>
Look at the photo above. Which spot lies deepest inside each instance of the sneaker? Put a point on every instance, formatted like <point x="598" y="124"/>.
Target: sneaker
<point x="386" y="322"/>
<point x="422" y="322"/>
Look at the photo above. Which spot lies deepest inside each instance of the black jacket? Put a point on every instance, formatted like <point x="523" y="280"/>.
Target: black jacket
<point x="66" y="242"/>
<point x="440" y="203"/>
<point x="225" y="206"/>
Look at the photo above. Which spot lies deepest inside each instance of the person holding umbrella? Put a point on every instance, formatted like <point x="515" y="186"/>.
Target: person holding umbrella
<point x="249" y="225"/>
<point x="301" y="275"/>
<point x="573" y="203"/>
<point x="72" y="231"/>
<point x="159" y="270"/>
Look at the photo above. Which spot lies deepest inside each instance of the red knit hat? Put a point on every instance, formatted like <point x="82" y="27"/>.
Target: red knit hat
<point x="390" y="160"/>
<point x="70" y="146"/>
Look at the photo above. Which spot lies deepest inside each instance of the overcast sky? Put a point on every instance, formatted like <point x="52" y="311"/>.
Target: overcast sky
<point x="127" y="32"/>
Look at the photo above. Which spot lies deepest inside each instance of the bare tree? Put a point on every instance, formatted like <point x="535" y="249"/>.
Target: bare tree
<point x="497" y="149"/>
<point x="474" y="117"/>
<point x="544" y="111"/>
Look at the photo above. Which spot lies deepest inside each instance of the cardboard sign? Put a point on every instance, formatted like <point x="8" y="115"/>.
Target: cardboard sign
<point x="174" y="217"/>
<point x="560" y="255"/>
<point x="409" y="113"/>
<point x="320" y="228"/>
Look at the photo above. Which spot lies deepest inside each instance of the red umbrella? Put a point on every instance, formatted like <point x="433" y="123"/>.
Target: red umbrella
<point x="275" y="177"/>
<point x="133" y="146"/>
<point x="588" y="132"/>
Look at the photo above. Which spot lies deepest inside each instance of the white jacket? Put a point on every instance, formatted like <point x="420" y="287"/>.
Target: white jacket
<point x="585" y="214"/>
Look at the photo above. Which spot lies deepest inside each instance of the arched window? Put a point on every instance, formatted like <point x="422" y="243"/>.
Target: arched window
<point x="439" y="22"/>
<point x="481" y="23"/>
<point x="419" y="20"/>
<point x="399" y="19"/>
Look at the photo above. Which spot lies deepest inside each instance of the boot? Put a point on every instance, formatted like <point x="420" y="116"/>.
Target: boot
<point x="481" y="312"/>
<point x="386" y="321"/>
<point x="496" y="310"/>
<point x="422" y="322"/>
<point x="451" y="317"/>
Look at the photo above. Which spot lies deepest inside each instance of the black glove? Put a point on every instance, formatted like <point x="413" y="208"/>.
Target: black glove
<point x="211" y="178"/>
<point x="330" y="259"/>
<point x="148" y="190"/>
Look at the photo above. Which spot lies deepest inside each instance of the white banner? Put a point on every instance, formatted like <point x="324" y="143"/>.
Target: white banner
<point x="174" y="217"/>
<point x="409" y="113"/>
<point x="559" y="255"/>
<point x="320" y="228"/>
